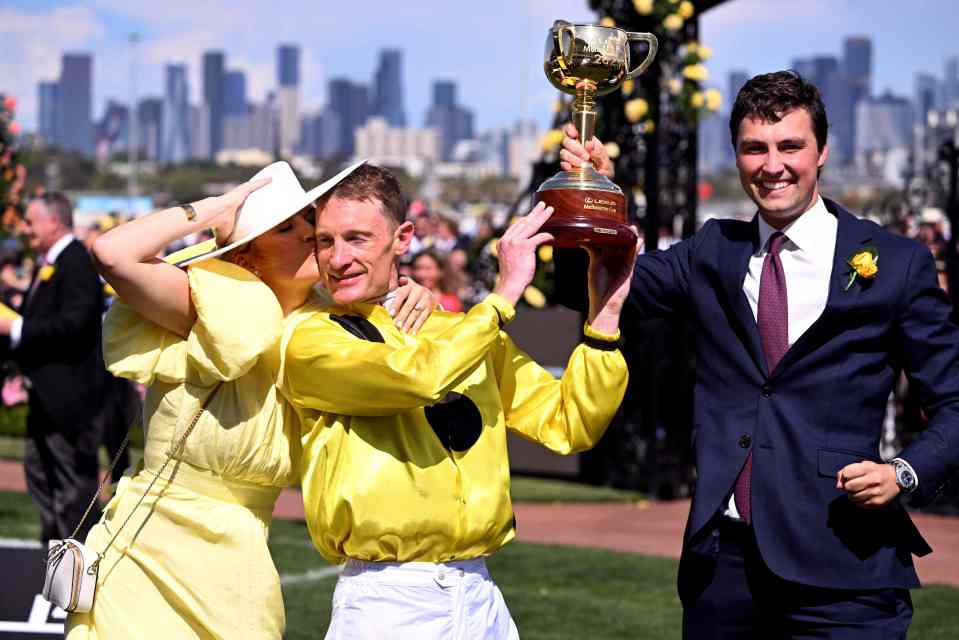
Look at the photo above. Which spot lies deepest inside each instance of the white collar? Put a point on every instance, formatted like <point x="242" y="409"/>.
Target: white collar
<point x="806" y="231"/>
<point x="54" y="252"/>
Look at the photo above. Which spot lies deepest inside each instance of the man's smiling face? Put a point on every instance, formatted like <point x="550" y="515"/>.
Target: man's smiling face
<point x="356" y="249"/>
<point x="779" y="165"/>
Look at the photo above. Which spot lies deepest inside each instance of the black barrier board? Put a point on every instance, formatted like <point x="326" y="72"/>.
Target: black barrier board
<point x="24" y="613"/>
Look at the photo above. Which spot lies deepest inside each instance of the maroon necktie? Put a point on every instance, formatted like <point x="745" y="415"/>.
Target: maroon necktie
<point x="773" y="320"/>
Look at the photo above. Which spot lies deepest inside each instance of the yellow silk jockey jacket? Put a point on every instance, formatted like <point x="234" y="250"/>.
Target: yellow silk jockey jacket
<point x="404" y="437"/>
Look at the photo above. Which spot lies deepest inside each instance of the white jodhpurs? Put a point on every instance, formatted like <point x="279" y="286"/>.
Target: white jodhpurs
<point x="419" y="601"/>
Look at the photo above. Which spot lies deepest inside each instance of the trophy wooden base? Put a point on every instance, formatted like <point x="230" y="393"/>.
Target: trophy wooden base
<point x="587" y="217"/>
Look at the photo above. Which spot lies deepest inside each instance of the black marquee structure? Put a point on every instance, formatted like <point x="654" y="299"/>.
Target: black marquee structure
<point x="652" y="123"/>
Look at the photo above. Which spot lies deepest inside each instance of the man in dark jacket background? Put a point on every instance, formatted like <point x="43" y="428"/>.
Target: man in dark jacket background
<point x="56" y="345"/>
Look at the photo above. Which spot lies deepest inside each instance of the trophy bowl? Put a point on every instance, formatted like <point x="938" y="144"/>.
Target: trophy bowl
<point x="586" y="61"/>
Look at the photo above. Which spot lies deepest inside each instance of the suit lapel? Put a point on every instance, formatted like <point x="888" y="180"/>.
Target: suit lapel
<point x="31" y="291"/>
<point x="851" y="236"/>
<point x="734" y="263"/>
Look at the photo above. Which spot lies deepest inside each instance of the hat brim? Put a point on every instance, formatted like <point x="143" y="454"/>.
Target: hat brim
<point x="188" y="257"/>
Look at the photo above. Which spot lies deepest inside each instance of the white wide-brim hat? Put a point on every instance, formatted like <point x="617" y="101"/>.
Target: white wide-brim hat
<point x="262" y="210"/>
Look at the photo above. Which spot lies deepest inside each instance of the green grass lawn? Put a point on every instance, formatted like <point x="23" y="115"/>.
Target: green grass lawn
<point x="553" y="592"/>
<point x="525" y="489"/>
<point x="11" y="448"/>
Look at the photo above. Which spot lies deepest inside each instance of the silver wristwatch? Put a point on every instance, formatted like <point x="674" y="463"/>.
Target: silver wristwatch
<point x="905" y="476"/>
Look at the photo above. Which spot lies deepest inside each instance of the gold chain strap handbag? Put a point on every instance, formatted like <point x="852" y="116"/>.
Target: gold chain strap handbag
<point x="71" y="566"/>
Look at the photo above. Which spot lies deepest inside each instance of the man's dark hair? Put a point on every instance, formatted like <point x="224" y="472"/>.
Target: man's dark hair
<point x="373" y="184"/>
<point x="770" y="96"/>
<point x="58" y="205"/>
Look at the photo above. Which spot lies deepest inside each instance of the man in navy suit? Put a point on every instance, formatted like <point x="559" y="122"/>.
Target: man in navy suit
<point x="803" y="319"/>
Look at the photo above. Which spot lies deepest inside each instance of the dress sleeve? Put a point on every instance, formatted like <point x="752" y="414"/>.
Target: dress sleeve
<point x="238" y="318"/>
<point x="566" y="415"/>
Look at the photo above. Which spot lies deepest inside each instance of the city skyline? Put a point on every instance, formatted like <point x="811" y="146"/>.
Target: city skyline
<point x="746" y="34"/>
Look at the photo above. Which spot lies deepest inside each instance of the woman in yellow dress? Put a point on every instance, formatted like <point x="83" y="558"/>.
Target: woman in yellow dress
<point x="185" y="544"/>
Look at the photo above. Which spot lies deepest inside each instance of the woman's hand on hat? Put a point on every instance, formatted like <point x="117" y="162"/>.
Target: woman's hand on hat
<point x="223" y="209"/>
<point x="412" y="305"/>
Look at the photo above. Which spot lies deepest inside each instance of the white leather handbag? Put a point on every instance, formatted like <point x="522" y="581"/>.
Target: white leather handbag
<point x="71" y="577"/>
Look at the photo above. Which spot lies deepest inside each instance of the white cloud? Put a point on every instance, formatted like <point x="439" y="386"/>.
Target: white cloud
<point x="37" y="41"/>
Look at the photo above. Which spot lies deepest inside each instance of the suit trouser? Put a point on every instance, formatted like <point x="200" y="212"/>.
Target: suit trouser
<point x="121" y="407"/>
<point x="744" y="599"/>
<point x="60" y="464"/>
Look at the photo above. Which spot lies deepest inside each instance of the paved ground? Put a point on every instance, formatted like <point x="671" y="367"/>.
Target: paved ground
<point x="653" y="528"/>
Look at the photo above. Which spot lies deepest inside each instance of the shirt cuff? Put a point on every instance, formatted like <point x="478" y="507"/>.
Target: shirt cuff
<point x="904" y="462"/>
<point x="600" y="340"/>
<point x="590" y="332"/>
<point x="16" y="328"/>
<point x="503" y="308"/>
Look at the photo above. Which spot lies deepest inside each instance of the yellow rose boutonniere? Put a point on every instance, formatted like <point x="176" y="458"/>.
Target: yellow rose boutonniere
<point x="46" y="272"/>
<point x="863" y="264"/>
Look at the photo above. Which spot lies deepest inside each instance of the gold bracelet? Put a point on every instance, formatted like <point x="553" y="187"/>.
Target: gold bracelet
<point x="189" y="211"/>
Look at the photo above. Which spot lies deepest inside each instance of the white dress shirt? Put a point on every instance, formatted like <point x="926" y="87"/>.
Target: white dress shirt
<point x="16" y="327"/>
<point x="807" y="259"/>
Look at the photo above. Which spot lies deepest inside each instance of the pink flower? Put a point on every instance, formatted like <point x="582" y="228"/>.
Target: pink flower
<point x="10" y="103"/>
<point x="15" y="128"/>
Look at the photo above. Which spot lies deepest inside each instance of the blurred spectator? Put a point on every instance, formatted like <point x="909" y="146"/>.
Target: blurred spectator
<point x="447" y="236"/>
<point x="429" y="269"/>
<point x="423" y="230"/>
<point x="56" y="343"/>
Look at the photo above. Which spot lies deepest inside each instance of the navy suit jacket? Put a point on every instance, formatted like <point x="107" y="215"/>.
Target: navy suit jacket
<point x="819" y="410"/>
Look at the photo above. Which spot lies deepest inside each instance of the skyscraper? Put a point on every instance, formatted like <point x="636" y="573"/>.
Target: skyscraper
<point x="150" y="119"/>
<point x="175" y="143"/>
<point x="350" y="101"/>
<point x="885" y="136"/>
<point x="857" y="65"/>
<point x="825" y="72"/>
<point x="234" y="94"/>
<point x="288" y="65"/>
<point x="75" y="124"/>
<point x="288" y="96"/>
<point x="112" y="131"/>
<point x="48" y="117"/>
<point x="926" y="87"/>
<point x="735" y="81"/>
<point x="950" y="83"/>
<point x="388" y="88"/>
<point x="453" y="121"/>
<point x="213" y="90"/>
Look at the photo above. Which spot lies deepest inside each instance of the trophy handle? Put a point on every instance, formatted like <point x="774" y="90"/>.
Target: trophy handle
<point x="560" y="31"/>
<point x="653" y="43"/>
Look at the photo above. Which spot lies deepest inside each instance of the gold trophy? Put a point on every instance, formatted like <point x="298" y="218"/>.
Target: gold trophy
<point x="588" y="60"/>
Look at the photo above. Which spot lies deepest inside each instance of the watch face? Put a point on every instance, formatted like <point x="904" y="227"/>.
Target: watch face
<point x="905" y="479"/>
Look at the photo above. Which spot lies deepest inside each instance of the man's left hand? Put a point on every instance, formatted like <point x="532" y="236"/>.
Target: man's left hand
<point x="5" y="324"/>
<point x="610" y="273"/>
<point x="868" y="484"/>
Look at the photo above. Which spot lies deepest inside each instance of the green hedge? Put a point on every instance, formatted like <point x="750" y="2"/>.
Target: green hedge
<point x="13" y="423"/>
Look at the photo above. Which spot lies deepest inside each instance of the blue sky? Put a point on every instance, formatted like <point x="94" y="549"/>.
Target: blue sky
<point x="493" y="48"/>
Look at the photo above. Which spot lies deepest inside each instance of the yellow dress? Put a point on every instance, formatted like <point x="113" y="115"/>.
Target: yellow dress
<point x="193" y="561"/>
